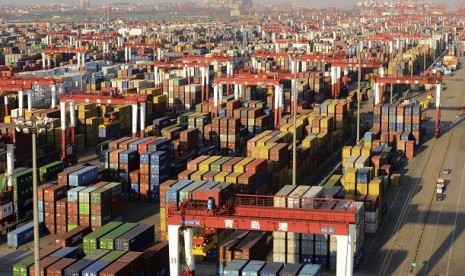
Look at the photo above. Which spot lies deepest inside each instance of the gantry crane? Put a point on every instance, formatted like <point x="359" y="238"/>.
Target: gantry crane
<point x="257" y="213"/>
<point x="241" y="80"/>
<point x="68" y="135"/>
<point x="80" y="53"/>
<point x="427" y="78"/>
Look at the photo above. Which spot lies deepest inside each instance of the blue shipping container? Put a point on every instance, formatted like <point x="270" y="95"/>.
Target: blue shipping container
<point x="129" y="156"/>
<point x="94" y="269"/>
<point x="83" y="177"/>
<point x="76" y="268"/>
<point x="160" y="145"/>
<point x="68" y="252"/>
<point x="172" y="194"/>
<point x="22" y="234"/>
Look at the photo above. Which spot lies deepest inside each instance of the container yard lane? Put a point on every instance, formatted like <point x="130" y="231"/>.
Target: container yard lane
<point x="420" y="235"/>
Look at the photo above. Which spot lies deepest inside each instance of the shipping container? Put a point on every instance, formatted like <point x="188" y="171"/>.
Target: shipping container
<point x="23" y="234"/>
<point x="76" y="268"/>
<point x="96" y="254"/>
<point x="112" y="255"/>
<point x="44" y="264"/>
<point x="91" y="241"/>
<point x="156" y="259"/>
<point x="73" y="237"/>
<point x="310" y="270"/>
<point x="253" y="268"/>
<point x="57" y="269"/>
<point x="271" y="269"/>
<point x="234" y="268"/>
<point x="290" y="270"/>
<point x="68" y="252"/>
<point x="116" y="269"/>
<point x="83" y="177"/>
<point x="94" y="268"/>
<point x="108" y="241"/>
<point x="137" y="239"/>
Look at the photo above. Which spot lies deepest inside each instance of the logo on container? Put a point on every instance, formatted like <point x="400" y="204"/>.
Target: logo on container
<point x="76" y="238"/>
<point x="327" y="230"/>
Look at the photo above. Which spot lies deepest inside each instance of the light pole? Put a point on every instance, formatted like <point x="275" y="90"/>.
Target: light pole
<point x="34" y="126"/>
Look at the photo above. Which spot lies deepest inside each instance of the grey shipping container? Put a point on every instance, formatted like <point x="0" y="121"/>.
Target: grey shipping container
<point x="271" y="269"/>
<point x="310" y="270"/>
<point x="68" y="252"/>
<point x="290" y="270"/>
<point x="96" y="254"/>
<point x="234" y="268"/>
<point x="138" y="238"/>
<point x="253" y="268"/>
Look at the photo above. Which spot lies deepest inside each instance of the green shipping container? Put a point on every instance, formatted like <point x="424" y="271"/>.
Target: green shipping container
<point x="184" y="193"/>
<point x="216" y="166"/>
<point x="50" y="171"/>
<point x="90" y="242"/>
<point x="71" y="227"/>
<point x="108" y="241"/>
<point x="21" y="267"/>
<point x="84" y="208"/>
<point x="22" y="184"/>
<point x="101" y="195"/>
<point x="113" y="255"/>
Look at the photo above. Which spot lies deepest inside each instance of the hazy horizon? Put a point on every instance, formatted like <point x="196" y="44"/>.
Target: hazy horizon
<point x="331" y="3"/>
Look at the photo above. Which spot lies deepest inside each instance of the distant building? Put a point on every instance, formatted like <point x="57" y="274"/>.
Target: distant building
<point x="84" y="4"/>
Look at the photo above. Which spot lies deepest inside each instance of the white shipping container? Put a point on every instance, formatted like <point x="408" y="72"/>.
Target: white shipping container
<point x="295" y="197"/>
<point x="279" y="257"/>
<point x="279" y="235"/>
<point x="293" y="246"/>
<point x="293" y="236"/>
<point x="6" y="210"/>
<point x="293" y="258"/>
<point x="279" y="246"/>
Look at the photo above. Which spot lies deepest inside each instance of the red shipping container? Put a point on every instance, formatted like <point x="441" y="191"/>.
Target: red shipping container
<point x="41" y="190"/>
<point x="55" y="193"/>
<point x="193" y="165"/>
<point x="44" y="264"/>
<point x="84" y="220"/>
<point x="57" y="269"/>
<point x="258" y="166"/>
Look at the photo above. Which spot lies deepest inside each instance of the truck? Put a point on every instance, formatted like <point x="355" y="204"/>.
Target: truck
<point x="440" y="189"/>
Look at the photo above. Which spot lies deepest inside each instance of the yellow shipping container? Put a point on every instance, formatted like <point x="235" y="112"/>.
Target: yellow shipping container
<point x="7" y="119"/>
<point x="240" y="166"/>
<point x="262" y="142"/>
<point x="232" y="177"/>
<point x="160" y="99"/>
<point x="375" y="187"/>
<point x="332" y="107"/>
<point x="356" y="151"/>
<point x="362" y="188"/>
<point x="197" y="176"/>
<point x="346" y="152"/>
<point x="205" y="165"/>
<point x="308" y="142"/>
<point x="366" y="151"/>
<point x="221" y="176"/>
<point x="350" y="175"/>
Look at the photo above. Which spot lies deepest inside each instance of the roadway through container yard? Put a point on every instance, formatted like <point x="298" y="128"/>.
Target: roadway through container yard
<point x="419" y="235"/>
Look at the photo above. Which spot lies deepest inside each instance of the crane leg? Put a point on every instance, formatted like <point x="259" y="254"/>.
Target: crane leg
<point x="345" y="253"/>
<point x="437" y="133"/>
<point x="173" y="237"/>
